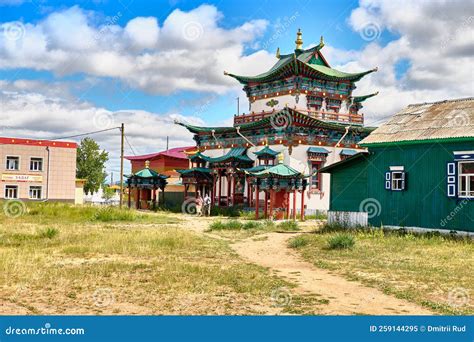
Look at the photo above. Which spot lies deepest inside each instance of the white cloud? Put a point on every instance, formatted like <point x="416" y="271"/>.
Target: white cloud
<point x="435" y="37"/>
<point x="189" y="51"/>
<point x="28" y="113"/>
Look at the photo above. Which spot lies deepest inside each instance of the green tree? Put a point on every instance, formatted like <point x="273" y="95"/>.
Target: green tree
<point x="91" y="164"/>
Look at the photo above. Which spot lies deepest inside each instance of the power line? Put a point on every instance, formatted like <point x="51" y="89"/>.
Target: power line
<point x="130" y="145"/>
<point x="84" y="134"/>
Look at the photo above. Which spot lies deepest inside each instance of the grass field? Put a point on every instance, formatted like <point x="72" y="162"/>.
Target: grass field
<point x="58" y="259"/>
<point x="433" y="271"/>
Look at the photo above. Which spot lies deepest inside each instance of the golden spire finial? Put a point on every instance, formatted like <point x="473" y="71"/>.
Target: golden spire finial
<point x="278" y="53"/>
<point x="321" y="42"/>
<point x="280" y="158"/>
<point x="147" y="164"/>
<point x="299" y="40"/>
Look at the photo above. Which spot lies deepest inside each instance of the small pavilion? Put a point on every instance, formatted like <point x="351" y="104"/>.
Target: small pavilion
<point x="278" y="182"/>
<point x="144" y="185"/>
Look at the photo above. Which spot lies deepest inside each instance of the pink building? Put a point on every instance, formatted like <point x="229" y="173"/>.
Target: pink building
<point x="37" y="169"/>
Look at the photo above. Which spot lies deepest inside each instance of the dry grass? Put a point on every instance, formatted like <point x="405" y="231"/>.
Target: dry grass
<point x="436" y="272"/>
<point x="52" y="263"/>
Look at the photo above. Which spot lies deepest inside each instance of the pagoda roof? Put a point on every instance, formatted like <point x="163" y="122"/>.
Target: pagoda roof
<point x="279" y="170"/>
<point x="236" y="153"/>
<point x="315" y="149"/>
<point x="203" y="170"/>
<point x="147" y="173"/>
<point x="266" y="151"/>
<point x="358" y="99"/>
<point x="348" y="152"/>
<point x="296" y="117"/>
<point x="302" y="61"/>
<point x="257" y="168"/>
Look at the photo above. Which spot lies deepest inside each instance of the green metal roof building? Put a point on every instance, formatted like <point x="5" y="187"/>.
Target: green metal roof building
<point x="418" y="171"/>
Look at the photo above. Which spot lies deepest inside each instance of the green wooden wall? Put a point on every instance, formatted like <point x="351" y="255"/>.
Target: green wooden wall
<point x="349" y="186"/>
<point x="423" y="204"/>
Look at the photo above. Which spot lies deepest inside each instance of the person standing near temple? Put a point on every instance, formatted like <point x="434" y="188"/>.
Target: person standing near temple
<point x="199" y="202"/>
<point x="207" y="205"/>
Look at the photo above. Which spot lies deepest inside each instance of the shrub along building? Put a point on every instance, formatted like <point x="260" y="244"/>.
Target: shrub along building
<point x="418" y="171"/>
<point x="301" y="108"/>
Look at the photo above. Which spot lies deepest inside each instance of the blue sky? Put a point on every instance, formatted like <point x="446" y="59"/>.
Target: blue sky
<point x="76" y="66"/>
<point x="115" y="95"/>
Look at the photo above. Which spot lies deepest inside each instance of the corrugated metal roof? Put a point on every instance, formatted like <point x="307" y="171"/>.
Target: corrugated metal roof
<point x="427" y="121"/>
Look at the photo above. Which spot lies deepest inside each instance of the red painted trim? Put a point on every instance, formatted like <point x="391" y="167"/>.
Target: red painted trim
<point x="33" y="142"/>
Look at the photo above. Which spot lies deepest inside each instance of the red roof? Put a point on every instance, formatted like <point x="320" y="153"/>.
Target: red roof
<point x="177" y="152"/>
<point x="34" y="142"/>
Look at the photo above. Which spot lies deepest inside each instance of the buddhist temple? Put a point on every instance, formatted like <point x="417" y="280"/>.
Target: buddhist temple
<point x="302" y="116"/>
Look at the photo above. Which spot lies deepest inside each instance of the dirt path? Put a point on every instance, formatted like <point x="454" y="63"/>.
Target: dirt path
<point x="345" y="297"/>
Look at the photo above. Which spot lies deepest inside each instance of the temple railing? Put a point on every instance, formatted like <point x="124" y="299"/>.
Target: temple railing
<point x="347" y="118"/>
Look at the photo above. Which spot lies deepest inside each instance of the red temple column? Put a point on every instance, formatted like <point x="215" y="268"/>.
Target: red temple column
<point x="137" y="204"/>
<point x="302" y="205"/>
<point x="153" y="195"/>
<point x="287" y="202"/>
<point x="272" y="195"/>
<point x="213" y="198"/>
<point x="129" y="196"/>
<point x="229" y="185"/>
<point x="233" y="189"/>
<point x="294" y="204"/>
<point x="220" y="191"/>
<point x="265" y="207"/>
<point x="256" y="202"/>
<point x="249" y="189"/>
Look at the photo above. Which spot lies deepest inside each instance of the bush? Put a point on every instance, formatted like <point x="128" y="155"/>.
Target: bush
<point x="108" y="214"/>
<point x="252" y="225"/>
<point x="48" y="233"/>
<point x="341" y="241"/>
<point x="299" y="241"/>
<point x="288" y="226"/>
<point x="231" y="225"/>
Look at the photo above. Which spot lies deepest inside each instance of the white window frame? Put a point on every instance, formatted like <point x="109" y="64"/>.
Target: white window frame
<point x="6" y="163"/>
<point x="9" y="186"/>
<point x="468" y="176"/>
<point x="41" y="160"/>
<point x="38" y="187"/>
<point x="397" y="184"/>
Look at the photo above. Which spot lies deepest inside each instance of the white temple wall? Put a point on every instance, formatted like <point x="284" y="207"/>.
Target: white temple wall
<point x="258" y="105"/>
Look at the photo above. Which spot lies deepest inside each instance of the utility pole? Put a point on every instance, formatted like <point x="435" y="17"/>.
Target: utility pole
<point x="122" y="140"/>
<point x="167" y="142"/>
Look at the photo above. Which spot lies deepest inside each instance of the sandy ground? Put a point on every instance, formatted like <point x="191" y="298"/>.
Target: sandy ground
<point x="345" y="297"/>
